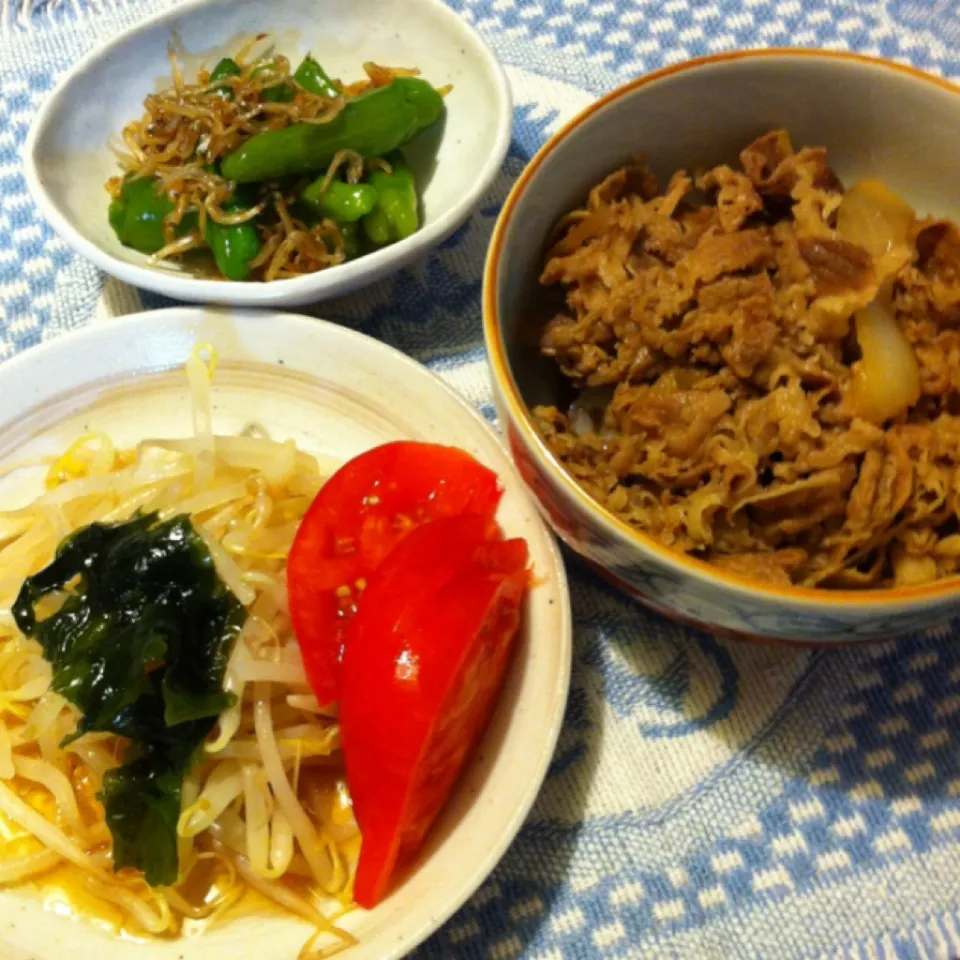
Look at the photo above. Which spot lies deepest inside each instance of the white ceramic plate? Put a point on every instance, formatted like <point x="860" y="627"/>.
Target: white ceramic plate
<point x="67" y="159"/>
<point x="336" y="393"/>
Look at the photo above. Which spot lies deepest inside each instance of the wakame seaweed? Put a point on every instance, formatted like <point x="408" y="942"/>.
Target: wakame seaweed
<point x="139" y="645"/>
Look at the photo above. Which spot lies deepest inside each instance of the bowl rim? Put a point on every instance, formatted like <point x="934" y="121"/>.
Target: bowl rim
<point x="321" y="284"/>
<point x="502" y="373"/>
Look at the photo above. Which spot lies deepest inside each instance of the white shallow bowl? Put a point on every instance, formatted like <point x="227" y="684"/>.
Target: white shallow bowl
<point x="67" y="160"/>
<point x="336" y="393"/>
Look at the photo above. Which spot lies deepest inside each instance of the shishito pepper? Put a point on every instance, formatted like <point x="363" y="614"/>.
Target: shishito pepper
<point x="351" y="240"/>
<point x="343" y="202"/>
<point x="234" y="246"/>
<point x="279" y="92"/>
<point x="372" y="124"/>
<point x="377" y="228"/>
<point x="137" y="215"/>
<point x="310" y="76"/>
<point x="225" y="68"/>
<point x="313" y="78"/>
<point x="395" y="215"/>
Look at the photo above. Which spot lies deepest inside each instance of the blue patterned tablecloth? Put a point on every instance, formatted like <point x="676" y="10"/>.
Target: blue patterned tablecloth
<point x="707" y="799"/>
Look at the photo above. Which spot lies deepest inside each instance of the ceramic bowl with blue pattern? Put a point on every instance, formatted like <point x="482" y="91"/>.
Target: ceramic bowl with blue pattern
<point x="877" y="119"/>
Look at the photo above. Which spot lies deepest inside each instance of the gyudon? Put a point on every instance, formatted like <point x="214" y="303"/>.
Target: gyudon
<point x="767" y="368"/>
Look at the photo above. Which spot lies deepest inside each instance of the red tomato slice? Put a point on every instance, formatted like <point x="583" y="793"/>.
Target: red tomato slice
<point x="364" y="510"/>
<point x="423" y="664"/>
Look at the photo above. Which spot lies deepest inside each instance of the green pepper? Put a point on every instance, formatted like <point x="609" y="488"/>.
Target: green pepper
<point x="313" y="78"/>
<point x="343" y="202"/>
<point x="137" y="215"/>
<point x="395" y="215"/>
<point x="233" y="247"/>
<point x="225" y="68"/>
<point x="372" y="124"/>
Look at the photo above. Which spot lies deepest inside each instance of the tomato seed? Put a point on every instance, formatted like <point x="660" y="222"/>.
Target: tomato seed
<point x="344" y="546"/>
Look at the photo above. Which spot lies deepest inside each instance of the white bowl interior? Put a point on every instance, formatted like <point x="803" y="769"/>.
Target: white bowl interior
<point x="335" y="393"/>
<point x="875" y="120"/>
<point x="68" y="157"/>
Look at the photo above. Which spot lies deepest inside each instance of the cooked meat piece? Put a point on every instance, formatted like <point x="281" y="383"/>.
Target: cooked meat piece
<point x="765" y="158"/>
<point x="774" y="168"/>
<point x="774" y="567"/>
<point x="724" y="253"/>
<point x="836" y="265"/>
<point x="736" y="198"/>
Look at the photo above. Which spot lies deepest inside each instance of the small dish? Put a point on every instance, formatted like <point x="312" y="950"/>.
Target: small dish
<point x="336" y="393"/>
<point x="67" y="159"/>
<point x="876" y="119"/>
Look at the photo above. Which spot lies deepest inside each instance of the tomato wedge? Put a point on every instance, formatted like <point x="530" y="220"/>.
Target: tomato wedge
<point x="364" y="510"/>
<point x="424" y="661"/>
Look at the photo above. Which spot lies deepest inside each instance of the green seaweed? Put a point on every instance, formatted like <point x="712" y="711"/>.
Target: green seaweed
<point x="139" y="645"/>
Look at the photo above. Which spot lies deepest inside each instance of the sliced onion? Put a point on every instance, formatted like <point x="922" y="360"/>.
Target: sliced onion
<point x="874" y="217"/>
<point x="909" y="571"/>
<point x="886" y="380"/>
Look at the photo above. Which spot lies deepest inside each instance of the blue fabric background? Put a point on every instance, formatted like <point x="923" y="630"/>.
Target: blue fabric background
<point x="707" y="800"/>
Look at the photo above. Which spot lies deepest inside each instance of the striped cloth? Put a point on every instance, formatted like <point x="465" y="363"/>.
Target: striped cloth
<point x="707" y="799"/>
